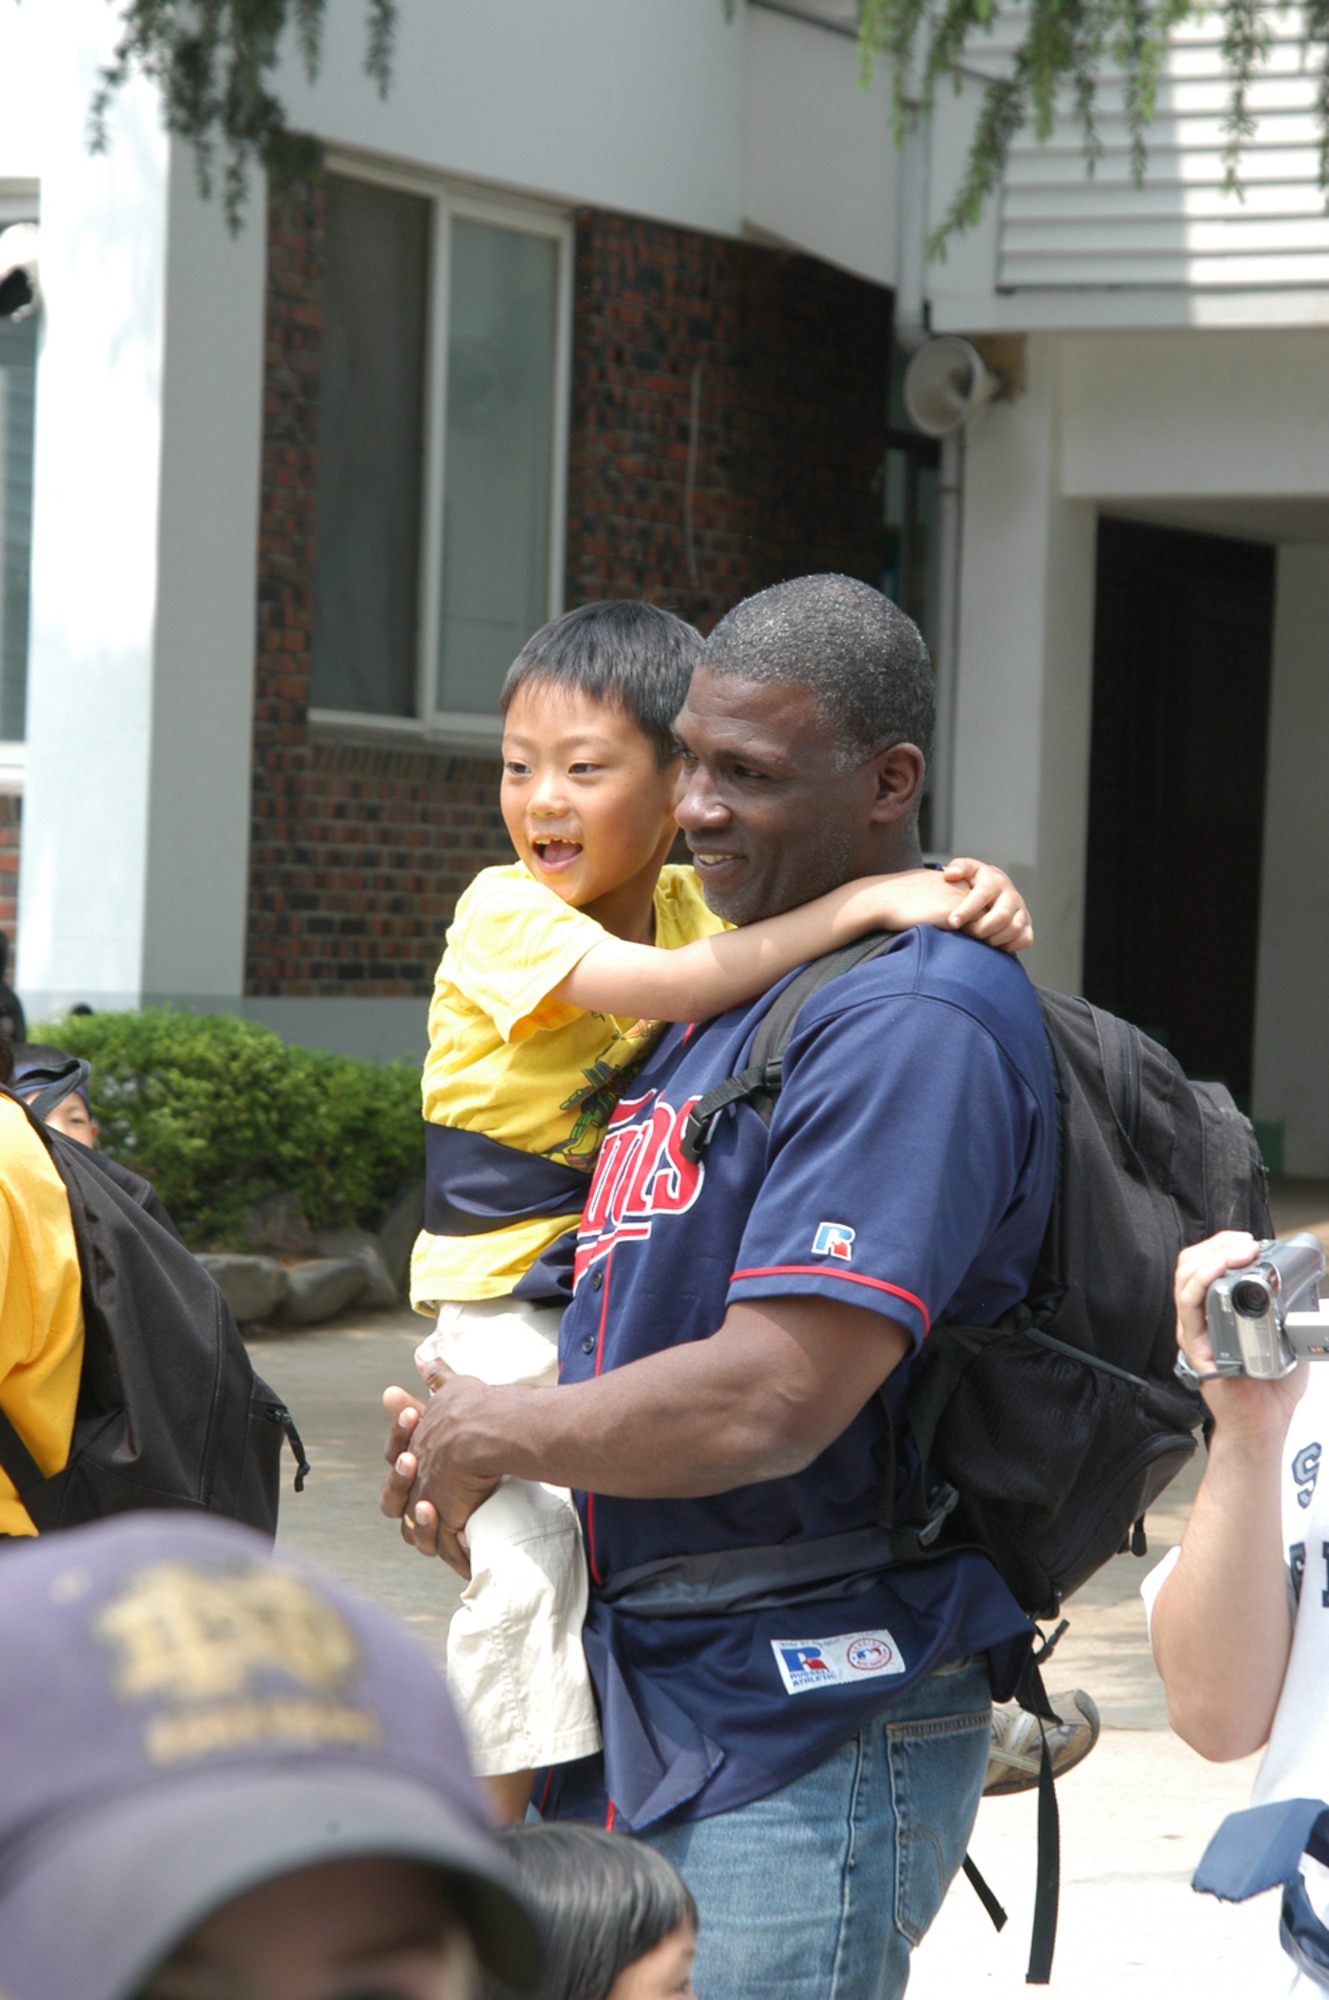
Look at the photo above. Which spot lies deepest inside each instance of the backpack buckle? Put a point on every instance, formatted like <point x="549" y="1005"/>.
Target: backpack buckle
<point x="698" y="1129"/>
<point x="941" y="1505"/>
<point x="909" y="1543"/>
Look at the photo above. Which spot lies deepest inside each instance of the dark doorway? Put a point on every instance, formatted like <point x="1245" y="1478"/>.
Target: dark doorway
<point x="1183" y="632"/>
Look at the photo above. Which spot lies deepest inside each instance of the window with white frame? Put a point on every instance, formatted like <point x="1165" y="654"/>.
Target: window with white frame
<point x="18" y="394"/>
<point x="441" y="450"/>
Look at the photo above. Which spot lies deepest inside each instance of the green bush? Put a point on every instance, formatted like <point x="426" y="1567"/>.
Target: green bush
<point x="217" y="1112"/>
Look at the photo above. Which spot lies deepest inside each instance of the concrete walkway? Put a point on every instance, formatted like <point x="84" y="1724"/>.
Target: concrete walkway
<point x="1135" y="1816"/>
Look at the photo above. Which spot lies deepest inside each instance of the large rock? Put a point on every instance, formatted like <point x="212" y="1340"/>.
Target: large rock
<point x="278" y="1224"/>
<point x="318" y="1290"/>
<point x="253" y="1287"/>
<point x="398" y="1231"/>
<point x="359" y="1247"/>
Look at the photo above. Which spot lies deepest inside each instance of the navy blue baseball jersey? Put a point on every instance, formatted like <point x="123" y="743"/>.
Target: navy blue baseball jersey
<point x="908" y="1168"/>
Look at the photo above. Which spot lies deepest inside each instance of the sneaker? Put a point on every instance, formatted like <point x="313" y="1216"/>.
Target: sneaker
<point x="1016" y="1752"/>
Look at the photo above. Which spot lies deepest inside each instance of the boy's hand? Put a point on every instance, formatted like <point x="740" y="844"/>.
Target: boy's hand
<point x="993" y="909"/>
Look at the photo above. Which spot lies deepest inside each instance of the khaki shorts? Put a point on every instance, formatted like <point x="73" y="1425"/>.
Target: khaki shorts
<point x="516" y="1667"/>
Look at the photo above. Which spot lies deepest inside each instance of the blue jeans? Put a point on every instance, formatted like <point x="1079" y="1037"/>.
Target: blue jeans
<point x="821" y="1890"/>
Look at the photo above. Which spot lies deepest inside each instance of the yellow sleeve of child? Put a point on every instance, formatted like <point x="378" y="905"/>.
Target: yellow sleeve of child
<point x="41" y="1312"/>
<point x="511" y="943"/>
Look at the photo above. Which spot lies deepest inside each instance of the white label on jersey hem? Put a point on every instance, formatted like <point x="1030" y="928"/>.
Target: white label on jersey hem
<point x="853" y="1656"/>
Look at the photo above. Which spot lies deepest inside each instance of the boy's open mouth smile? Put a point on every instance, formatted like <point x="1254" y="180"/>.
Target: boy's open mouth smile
<point x="554" y="853"/>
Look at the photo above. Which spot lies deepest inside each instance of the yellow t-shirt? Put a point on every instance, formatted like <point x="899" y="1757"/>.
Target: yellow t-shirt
<point x="509" y="1063"/>
<point x="41" y="1310"/>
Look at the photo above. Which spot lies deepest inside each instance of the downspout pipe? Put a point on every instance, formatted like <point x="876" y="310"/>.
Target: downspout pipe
<point x="910" y="331"/>
<point x="911" y="324"/>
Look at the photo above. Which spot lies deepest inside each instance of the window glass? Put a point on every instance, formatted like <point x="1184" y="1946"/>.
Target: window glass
<point x="502" y="307"/>
<point x="370" y="449"/>
<point x="18" y="381"/>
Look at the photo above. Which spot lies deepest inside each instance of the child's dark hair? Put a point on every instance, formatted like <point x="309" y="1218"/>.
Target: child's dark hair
<point x="621" y="651"/>
<point x="603" y="1901"/>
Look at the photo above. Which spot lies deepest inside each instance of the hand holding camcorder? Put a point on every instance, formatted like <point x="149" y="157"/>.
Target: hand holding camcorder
<point x="1264" y="1315"/>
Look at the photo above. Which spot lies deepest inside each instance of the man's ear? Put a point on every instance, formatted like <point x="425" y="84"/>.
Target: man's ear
<point x="899" y="773"/>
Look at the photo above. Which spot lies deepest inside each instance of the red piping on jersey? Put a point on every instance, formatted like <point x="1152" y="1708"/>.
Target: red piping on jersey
<point x="610" y="1817"/>
<point x="846" y="1277"/>
<point x="544" y="1796"/>
<point x="604" y="1314"/>
<point x="590" y="1538"/>
<point x="607" y="1267"/>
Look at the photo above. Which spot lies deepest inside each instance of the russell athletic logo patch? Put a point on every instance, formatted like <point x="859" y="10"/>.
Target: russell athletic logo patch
<point x="834" y="1239"/>
<point x="854" y="1656"/>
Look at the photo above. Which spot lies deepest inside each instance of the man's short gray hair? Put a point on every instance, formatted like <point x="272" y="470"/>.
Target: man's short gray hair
<point x="862" y="658"/>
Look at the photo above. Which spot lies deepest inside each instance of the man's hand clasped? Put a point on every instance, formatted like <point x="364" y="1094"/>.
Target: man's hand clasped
<point x="428" y="1488"/>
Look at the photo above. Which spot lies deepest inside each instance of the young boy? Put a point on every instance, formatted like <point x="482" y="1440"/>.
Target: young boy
<point x="559" y="971"/>
<point x="35" y="1065"/>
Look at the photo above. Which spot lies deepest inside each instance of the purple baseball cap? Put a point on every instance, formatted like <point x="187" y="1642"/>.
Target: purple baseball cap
<point x="184" y="1716"/>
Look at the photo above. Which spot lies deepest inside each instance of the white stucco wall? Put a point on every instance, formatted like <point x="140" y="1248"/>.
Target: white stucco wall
<point x="820" y="167"/>
<point x="95" y="501"/>
<point x="145" y="523"/>
<point x="635" y="107"/>
<point x="1025" y="664"/>
<point x="1196" y="413"/>
<point x="1291" y="1041"/>
<point x="196" y="872"/>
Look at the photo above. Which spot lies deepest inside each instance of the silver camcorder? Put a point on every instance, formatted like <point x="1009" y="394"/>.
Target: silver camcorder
<point x="1265" y="1314"/>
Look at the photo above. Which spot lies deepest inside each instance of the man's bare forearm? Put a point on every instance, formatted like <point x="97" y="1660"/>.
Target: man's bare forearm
<point x="1222" y="1625"/>
<point x="587" y="1435"/>
<point x="759" y="1400"/>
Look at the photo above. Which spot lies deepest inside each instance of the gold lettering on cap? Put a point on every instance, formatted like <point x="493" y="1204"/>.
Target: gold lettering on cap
<point x="172" y="1737"/>
<point x="188" y="1634"/>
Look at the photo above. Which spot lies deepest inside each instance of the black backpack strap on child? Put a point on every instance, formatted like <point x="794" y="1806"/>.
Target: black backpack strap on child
<point x="170" y="1412"/>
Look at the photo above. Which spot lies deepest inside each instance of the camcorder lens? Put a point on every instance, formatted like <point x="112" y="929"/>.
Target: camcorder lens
<point x="1250" y="1298"/>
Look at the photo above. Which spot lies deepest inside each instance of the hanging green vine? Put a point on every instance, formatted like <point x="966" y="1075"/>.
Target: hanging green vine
<point x="213" y="61"/>
<point x="1063" y="49"/>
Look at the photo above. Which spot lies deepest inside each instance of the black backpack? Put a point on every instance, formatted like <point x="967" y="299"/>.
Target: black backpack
<point x="170" y="1412"/>
<point x="1044" y="1439"/>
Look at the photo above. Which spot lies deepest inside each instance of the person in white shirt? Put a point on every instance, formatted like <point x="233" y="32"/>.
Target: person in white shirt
<point x="1239" y="1613"/>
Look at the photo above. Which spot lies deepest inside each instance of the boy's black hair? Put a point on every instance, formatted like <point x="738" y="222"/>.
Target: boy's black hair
<point x="622" y="651"/>
<point x="602" y="1902"/>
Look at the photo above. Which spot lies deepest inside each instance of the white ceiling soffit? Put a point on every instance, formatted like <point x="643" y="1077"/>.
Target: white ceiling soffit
<point x="1063" y="229"/>
<point x="20" y="201"/>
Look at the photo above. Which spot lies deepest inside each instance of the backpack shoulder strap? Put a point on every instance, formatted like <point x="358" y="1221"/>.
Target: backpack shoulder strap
<point x="759" y="1084"/>
<point x="17" y="1460"/>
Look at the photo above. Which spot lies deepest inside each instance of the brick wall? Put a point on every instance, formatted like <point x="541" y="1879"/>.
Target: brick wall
<point x="791" y="401"/>
<point x="11" y="820"/>
<point x="358" y="851"/>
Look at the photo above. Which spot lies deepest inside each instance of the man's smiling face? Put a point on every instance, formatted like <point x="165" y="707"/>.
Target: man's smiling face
<point x="774" y="812"/>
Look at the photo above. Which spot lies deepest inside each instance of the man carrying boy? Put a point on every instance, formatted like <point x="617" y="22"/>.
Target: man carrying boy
<point x="812" y="1768"/>
<point x="560" y="971"/>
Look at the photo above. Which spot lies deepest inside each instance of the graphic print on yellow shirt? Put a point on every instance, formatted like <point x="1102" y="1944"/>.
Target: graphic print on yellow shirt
<point x="41" y="1306"/>
<point x="533" y="1076"/>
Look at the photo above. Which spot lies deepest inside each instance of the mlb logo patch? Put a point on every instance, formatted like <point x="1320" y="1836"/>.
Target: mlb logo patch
<point x="834" y="1239"/>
